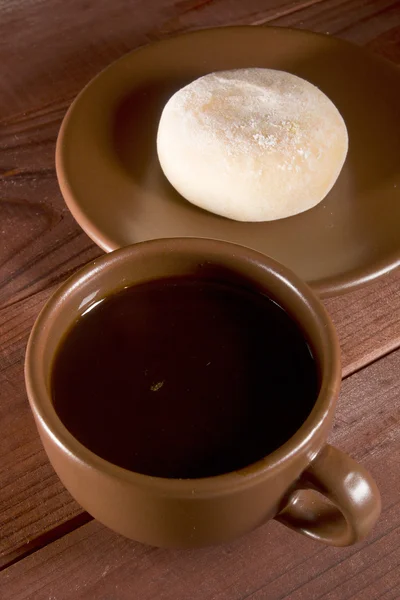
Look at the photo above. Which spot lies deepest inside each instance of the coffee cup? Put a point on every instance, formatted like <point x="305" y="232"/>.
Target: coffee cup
<point x="305" y="484"/>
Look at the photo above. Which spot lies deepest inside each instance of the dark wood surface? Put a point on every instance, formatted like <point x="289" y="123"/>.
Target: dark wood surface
<point x="48" y="51"/>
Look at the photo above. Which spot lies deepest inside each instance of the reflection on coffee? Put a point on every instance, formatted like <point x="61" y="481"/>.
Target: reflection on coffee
<point x="184" y="378"/>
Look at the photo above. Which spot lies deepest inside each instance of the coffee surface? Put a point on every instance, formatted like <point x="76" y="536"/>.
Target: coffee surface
<point x="184" y="378"/>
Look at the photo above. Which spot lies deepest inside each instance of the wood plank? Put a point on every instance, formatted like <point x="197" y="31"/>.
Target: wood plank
<point x="40" y="244"/>
<point x="367" y="322"/>
<point x="359" y="21"/>
<point x="272" y="562"/>
<point x="85" y="36"/>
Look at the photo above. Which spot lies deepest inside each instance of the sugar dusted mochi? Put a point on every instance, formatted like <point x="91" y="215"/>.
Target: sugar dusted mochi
<point x="252" y="144"/>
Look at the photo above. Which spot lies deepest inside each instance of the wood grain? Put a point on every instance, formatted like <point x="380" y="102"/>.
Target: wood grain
<point x="359" y="21"/>
<point x="367" y="322"/>
<point x="48" y="51"/>
<point x="270" y="563"/>
<point x="84" y="36"/>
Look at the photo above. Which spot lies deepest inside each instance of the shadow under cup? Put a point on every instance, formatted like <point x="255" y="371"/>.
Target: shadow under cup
<point x="198" y="512"/>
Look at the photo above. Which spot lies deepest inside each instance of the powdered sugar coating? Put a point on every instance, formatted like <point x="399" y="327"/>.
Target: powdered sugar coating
<point x="252" y="144"/>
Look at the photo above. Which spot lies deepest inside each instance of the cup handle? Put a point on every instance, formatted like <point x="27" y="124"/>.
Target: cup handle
<point x="354" y="507"/>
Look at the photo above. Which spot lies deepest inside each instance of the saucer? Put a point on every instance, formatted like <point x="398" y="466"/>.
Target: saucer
<point x="112" y="182"/>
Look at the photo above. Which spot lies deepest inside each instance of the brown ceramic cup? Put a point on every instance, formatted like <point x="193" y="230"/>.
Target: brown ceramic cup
<point x="197" y="512"/>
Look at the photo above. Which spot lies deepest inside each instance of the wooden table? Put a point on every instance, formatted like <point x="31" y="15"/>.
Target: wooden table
<point x="49" y="548"/>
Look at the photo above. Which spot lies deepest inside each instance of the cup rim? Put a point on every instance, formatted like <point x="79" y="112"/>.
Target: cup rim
<point x="45" y="414"/>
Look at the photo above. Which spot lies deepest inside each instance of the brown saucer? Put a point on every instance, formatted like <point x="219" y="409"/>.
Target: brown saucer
<point x="111" y="180"/>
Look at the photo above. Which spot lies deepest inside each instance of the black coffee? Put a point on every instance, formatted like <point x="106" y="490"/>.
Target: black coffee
<point x="184" y="378"/>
